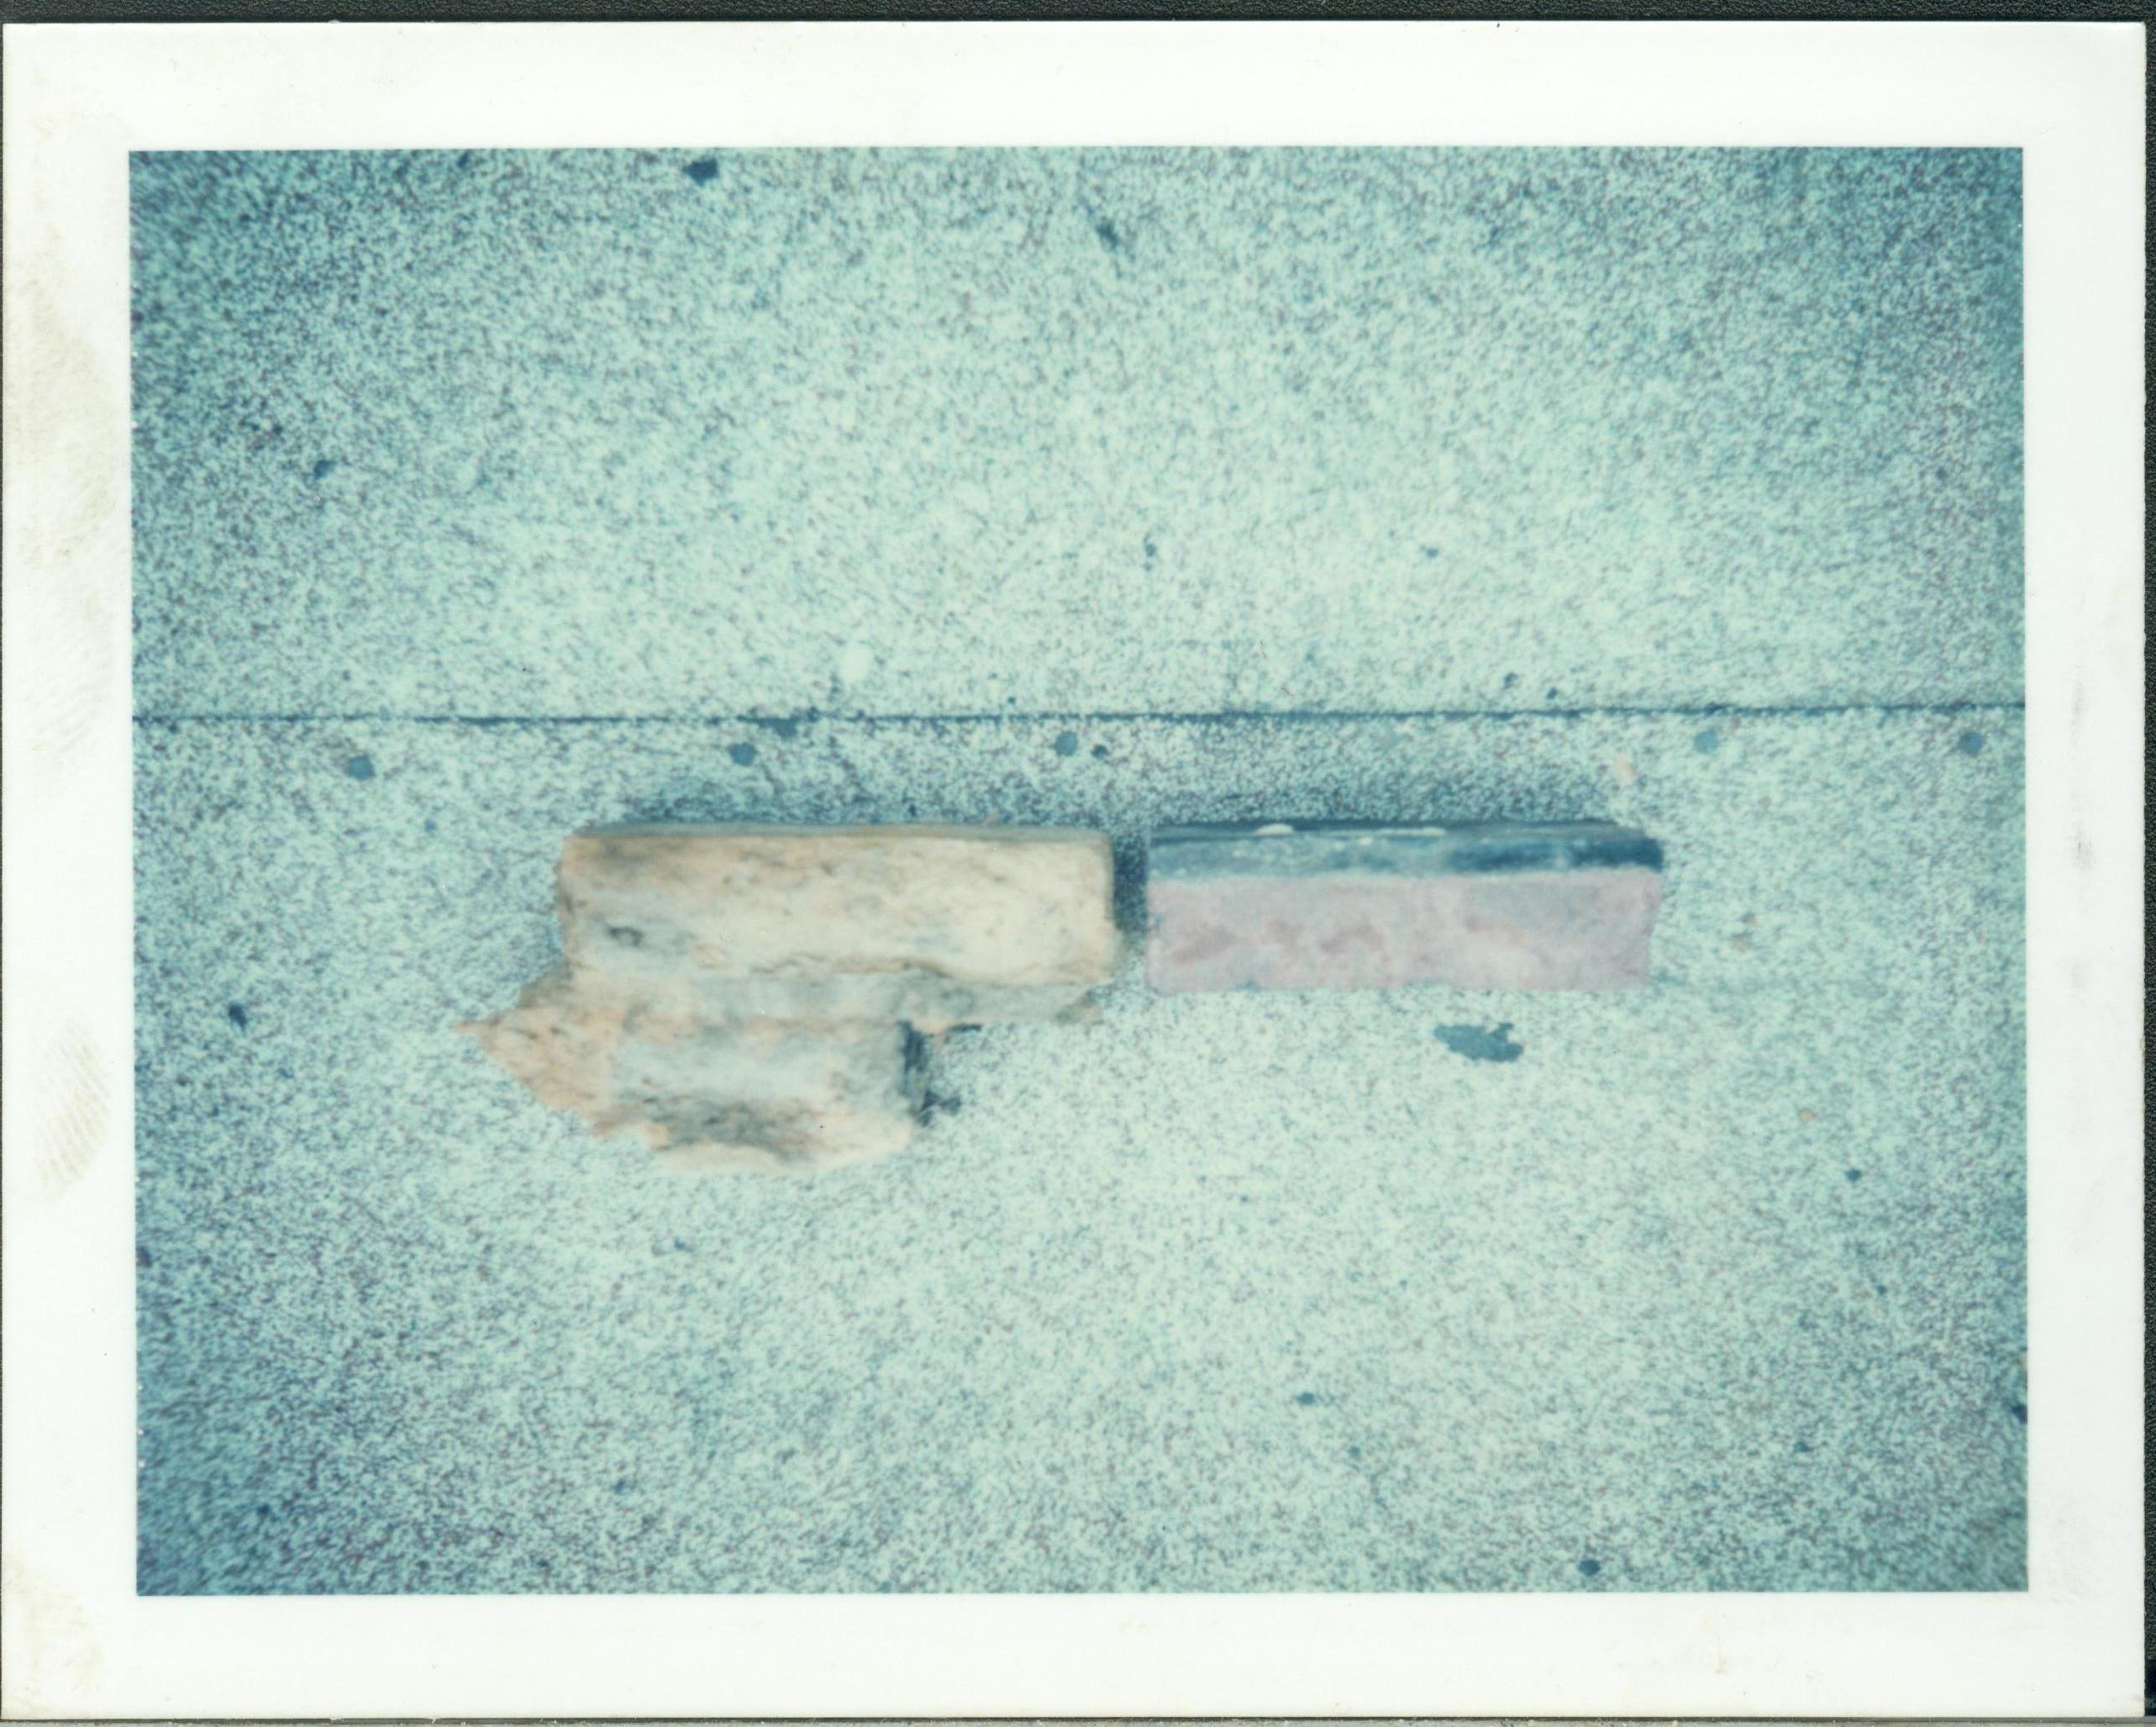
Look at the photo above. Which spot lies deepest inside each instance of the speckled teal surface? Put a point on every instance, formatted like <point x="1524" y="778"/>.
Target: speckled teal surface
<point x="1717" y="1285"/>
<point x="903" y="432"/>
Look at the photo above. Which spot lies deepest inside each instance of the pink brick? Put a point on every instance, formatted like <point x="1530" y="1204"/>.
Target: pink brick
<point x="1242" y="917"/>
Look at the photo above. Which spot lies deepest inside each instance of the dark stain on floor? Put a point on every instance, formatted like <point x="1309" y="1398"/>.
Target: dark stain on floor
<point x="1482" y="1043"/>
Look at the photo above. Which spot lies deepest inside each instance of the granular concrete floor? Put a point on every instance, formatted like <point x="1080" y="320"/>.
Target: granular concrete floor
<point x="481" y="497"/>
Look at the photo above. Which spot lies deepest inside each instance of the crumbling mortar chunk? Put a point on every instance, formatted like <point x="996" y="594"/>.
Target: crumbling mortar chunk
<point x="762" y="998"/>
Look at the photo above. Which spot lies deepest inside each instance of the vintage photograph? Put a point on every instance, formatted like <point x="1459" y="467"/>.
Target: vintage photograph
<point x="1049" y="871"/>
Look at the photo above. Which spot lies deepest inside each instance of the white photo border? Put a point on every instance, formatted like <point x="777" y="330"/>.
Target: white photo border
<point x="79" y="98"/>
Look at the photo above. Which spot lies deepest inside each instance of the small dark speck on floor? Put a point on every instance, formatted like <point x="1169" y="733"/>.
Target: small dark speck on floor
<point x="2021" y="1413"/>
<point x="1588" y="1567"/>
<point x="742" y="754"/>
<point x="680" y="1245"/>
<point x="1429" y="551"/>
<point x="236" y="1012"/>
<point x="142" y="1258"/>
<point x="1550" y="694"/>
<point x="1100" y="752"/>
<point x="1482" y="1043"/>
<point x="1105" y="231"/>
<point x="321" y="469"/>
<point x="1152" y="548"/>
<point x="1804" y="1448"/>
<point x="1512" y="679"/>
<point x="1306" y="1397"/>
<point x="703" y="172"/>
<point x="429" y="825"/>
<point x="359" y="767"/>
<point x="1066" y="743"/>
<point x="1707" y="742"/>
<point x="1970" y="743"/>
<point x="1853" y="1175"/>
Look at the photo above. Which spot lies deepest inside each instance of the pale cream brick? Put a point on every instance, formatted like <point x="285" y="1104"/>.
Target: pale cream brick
<point x="751" y="998"/>
<point x="935" y="926"/>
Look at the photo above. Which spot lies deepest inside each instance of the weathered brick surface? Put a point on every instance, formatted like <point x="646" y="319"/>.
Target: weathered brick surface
<point x="934" y="926"/>
<point x="748" y="997"/>
<point x="746" y="1095"/>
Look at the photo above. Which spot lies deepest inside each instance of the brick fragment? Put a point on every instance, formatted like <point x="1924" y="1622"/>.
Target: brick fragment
<point x="755" y="998"/>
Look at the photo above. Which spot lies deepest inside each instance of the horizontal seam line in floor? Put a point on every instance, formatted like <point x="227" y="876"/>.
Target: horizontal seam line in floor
<point x="1702" y="710"/>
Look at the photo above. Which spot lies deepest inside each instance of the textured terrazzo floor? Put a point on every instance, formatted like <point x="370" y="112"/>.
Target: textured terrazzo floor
<point x="479" y="496"/>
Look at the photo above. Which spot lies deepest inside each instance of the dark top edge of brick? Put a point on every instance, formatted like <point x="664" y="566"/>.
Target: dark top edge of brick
<point x="1396" y="849"/>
